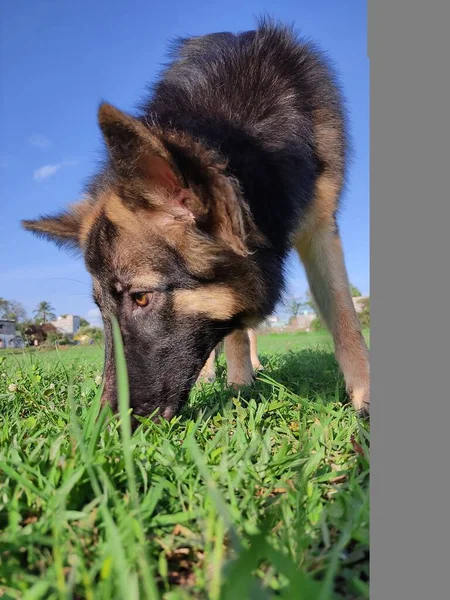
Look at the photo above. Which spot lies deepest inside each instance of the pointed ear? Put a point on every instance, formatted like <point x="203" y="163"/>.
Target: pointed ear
<point x="135" y="151"/>
<point x="64" y="229"/>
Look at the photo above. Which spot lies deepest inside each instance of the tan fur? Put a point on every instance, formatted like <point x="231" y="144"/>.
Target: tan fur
<point x="208" y="373"/>
<point x="200" y="222"/>
<point x="228" y="216"/>
<point x="88" y="217"/>
<point x="119" y="214"/>
<point x="209" y="224"/>
<point x="146" y="281"/>
<point x="322" y="256"/>
<point x="213" y="300"/>
<point x="328" y="142"/>
<point x="68" y="225"/>
<point x="198" y="252"/>
<point x="237" y="352"/>
<point x="240" y="348"/>
<point x="253" y="350"/>
<point x="320" y="215"/>
<point x="320" y="249"/>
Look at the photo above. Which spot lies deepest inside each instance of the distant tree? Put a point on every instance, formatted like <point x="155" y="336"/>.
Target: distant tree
<point x="54" y="336"/>
<point x="354" y="291"/>
<point x="17" y="311"/>
<point x="4" y="307"/>
<point x="317" y="324"/>
<point x="84" y="323"/>
<point x="44" y="312"/>
<point x="23" y="326"/>
<point x="33" y="332"/>
<point x="39" y="332"/>
<point x="310" y="301"/>
<point x="11" y="309"/>
<point x="364" y="315"/>
<point x="48" y="328"/>
<point x="294" y="306"/>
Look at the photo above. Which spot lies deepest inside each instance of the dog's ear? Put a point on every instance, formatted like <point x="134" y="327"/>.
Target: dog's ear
<point x="65" y="228"/>
<point x="136" y="151"/>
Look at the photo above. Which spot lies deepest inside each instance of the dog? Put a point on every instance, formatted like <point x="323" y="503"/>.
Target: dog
<point x="237" y="157"/>
<point x="239" y="377"/>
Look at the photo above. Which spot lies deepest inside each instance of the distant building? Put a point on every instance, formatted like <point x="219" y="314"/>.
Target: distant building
<point x="67" y="325"/>
<point x="302" y="322"/>
<point x="9" y="336"/>
<point x="273" y="322"/>
<point x="358" y="302"/>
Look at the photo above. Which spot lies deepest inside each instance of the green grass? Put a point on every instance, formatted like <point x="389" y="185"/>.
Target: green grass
<point x="283" y="342"/>
<point x="264" y="494"/>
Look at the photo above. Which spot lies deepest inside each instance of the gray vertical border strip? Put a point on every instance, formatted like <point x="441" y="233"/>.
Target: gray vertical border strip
<point x="410" y="265"/>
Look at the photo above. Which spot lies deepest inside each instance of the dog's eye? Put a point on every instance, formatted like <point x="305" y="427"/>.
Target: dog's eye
<point x="141" y="298"/>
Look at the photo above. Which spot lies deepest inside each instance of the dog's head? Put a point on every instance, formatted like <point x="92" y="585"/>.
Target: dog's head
<point x="167" y="240"/>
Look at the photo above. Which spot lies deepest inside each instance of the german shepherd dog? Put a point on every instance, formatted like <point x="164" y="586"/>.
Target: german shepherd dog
<point x="238" y="156"/>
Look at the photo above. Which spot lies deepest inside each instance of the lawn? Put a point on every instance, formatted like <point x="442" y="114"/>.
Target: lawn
<point x="263" y="494"/>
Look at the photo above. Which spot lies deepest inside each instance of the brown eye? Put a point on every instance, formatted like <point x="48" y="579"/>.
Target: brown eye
<point x="141" y="298"/>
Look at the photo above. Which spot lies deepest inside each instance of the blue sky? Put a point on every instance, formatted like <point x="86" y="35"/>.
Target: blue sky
<point x="59" y="59"/>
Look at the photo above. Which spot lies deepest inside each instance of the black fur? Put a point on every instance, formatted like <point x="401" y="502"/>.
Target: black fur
<point x="256" y="101"/>
<point x="251" y="97"/>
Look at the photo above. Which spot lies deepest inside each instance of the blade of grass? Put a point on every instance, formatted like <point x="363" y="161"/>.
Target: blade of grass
<point x="20" y="479"/>
<point x="113" y="534"/>
<point x="123" y="395"/>
<point x="213" y="490"/>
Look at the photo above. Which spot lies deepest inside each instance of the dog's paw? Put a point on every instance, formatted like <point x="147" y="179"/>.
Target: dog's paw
<point x="360" y="396"/>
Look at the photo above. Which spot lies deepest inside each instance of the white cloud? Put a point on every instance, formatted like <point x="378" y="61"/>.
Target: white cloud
<point x="45" y="172"/>
<point x="6" y="161"/>
<point x="39" y="140"/>
<point x="49" y="170"/>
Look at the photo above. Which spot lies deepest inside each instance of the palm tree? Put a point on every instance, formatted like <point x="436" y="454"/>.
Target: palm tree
<point x="44" y="312"/>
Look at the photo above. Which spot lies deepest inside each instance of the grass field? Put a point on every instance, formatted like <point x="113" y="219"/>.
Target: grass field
<point x="264" y="494"/>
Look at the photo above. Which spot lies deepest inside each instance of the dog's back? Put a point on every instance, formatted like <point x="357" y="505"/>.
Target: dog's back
<point x="238" y="156"/>
<point x="269" y="104"/>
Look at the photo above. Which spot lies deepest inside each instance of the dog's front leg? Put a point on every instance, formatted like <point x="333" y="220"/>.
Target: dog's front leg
<point x="239" y="364"/>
